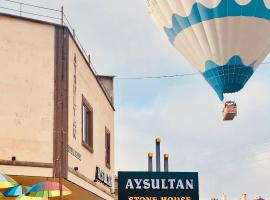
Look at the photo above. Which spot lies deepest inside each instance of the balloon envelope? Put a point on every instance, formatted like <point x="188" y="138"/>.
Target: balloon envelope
<point x="226" y="40"/>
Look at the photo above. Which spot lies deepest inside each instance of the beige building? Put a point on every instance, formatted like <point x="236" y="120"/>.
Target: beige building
<point x="56" y="115"/>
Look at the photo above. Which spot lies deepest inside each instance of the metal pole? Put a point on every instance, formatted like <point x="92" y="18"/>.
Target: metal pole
<point x="60" y="165"/>
<point x="74" y="35"/>
<point x="20" y="9"/>
<point x="89" y="59"/>
<point x="158" y="154"/>
<point x="166" y="162"/>
<point x="150" y="162"/>
<point x="61" y="190"/>
<point x="62" y="15"/>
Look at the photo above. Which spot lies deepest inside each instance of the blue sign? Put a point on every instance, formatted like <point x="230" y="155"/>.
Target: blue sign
<point x="158" y="186"/>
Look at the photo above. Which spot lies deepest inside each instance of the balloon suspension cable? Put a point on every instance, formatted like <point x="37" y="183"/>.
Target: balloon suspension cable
<point x="230" y="97"/>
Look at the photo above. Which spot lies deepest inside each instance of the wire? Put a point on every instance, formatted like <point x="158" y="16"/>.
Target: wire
<point x="9" y="9"/>
<point x="40" y="15"/>
<point x="267" y="62"/>
<point x="157" y="77"/>
<point x="167" y="76"/>
<point x="26" y="4"/>
<point x="68" y="23"/>
<point x="30" y="13"/>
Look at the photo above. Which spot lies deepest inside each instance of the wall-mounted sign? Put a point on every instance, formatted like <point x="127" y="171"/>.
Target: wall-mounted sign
<point x="75" y="153"/>
<point x="103" y="177"/>
<point x="158" y="186"/>
<point x="74" y="98"/>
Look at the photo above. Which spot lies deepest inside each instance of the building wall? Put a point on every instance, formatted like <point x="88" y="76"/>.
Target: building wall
<point x="103" y="116"/>
<point x="27" y="86"/>
<point x="27" y="90"/>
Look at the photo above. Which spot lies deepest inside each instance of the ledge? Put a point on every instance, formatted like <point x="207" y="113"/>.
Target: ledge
<point x="26" y="164"/>
<point x="84" y="178"/>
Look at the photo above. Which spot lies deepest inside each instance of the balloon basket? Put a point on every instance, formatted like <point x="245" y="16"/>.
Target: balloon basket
<point x="229" y="111"/>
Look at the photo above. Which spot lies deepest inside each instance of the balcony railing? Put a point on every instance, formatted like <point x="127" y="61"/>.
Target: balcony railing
<point x="52" y="16"/>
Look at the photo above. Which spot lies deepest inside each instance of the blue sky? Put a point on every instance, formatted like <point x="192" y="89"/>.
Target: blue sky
<point x="231" y="157"/>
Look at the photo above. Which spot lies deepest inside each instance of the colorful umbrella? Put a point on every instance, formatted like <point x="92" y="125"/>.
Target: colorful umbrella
<point x="47" y="190"/>
<point x="16" y="191"/>
<point x="1" y="195"/>
<point x="23" y="197"/>
<point x="6" y="181"/>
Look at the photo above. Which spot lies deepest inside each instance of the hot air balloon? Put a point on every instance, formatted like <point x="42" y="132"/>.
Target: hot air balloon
<point x="226" y="40"/>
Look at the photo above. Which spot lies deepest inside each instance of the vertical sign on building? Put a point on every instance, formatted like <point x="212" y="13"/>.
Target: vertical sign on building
<point x="74" y="97"/>
<point x="158" y="186"/>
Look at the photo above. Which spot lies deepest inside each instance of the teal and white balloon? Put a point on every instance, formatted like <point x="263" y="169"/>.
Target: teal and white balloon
<point x="226" y="40"/>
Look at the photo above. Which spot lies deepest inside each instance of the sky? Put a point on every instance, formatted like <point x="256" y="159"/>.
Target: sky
<point x="231" y="157"/>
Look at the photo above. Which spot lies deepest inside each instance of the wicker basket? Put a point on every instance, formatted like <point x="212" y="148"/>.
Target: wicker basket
<point x="229" y="111"/>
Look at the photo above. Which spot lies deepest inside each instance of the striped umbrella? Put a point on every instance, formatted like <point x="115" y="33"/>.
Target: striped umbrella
<point x="6" y="182"/>
<point x="47" y="190"/>
<point x="16" y="191"/>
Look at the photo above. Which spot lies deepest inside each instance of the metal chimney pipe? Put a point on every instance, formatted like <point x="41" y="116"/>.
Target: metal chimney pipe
<point x="150" y="162"/>
<point x="166" y="162"/>
<point x="158" y="154"/>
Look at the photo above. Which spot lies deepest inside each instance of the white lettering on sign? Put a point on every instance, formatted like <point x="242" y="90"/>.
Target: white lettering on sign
<point x="157" y="184"/>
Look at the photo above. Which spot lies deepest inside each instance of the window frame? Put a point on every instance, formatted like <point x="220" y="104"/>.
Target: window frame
<point x="89" y="146"/>
<point x="107" y="148"/>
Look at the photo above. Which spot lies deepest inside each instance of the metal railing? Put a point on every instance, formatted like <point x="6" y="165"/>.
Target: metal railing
<point x="45" y="14"/>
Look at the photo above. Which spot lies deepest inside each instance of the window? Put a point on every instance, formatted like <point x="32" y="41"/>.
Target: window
<point x="87" y="125"/>
<point x="108" y="148"/>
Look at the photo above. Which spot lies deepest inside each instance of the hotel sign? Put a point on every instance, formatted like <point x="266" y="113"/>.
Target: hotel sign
<point x="103" y="177"/>
<point x="158" y="186"/>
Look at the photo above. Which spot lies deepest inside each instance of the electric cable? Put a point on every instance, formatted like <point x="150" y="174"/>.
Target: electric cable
<point x="166" y="76"/>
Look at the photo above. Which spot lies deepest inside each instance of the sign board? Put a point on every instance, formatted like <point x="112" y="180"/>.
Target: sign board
<point x="103" y="177"/>
<point x="158" y="186"/>
<point x="74" y="153"/>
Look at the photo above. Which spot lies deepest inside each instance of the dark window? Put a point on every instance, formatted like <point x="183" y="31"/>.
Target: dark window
<point x="87" y="125"/>
<point x="108" y="148"/>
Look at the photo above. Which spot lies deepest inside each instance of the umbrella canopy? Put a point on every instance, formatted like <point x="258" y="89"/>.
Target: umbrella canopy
<point x="47" y="190"/>
<point x="23" y="197"/>
<point x="1" y="195"/>
<point x="6" y="181"/>
<point x="16" y="191"/>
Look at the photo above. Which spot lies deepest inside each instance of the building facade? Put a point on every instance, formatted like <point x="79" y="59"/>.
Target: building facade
<point x="56" y="114"/>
